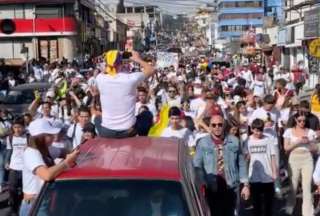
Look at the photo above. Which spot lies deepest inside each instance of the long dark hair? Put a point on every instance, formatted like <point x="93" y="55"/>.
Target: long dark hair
<point x="297" y="115"/>
<point x="39" y="143"/>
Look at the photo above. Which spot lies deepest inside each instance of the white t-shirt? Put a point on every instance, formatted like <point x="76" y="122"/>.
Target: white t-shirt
<point x="288" y="134"/>
<point x="247" y="75"/>
<point x="17" y="145"/>
<point x="118" y="99"/>
<point x="260" y="166"/>
<point x="32" y="160"/>
<point x="183" y="133"/>
<point x="92" y="81"/>
<point x="258" y="88"/>
<point x="196" y="104"/>
<point x="54" y="111"/>
<point x="75" y="133"/>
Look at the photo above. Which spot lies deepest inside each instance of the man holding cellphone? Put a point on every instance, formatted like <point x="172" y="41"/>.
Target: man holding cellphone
<point x="117" y="87"/>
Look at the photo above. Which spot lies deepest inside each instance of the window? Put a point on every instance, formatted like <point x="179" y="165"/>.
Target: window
<point x="247" y="4"/>
<point x="129" y="9"/>
<point x="68" y="10"/>
<point x="150" y="9"/>
<point x="139" y="9"/>
<point x="48" y="11"/>
<point x="241" y="16"/>
<point x="235" y="28"/>
<point x="112" y="197"/>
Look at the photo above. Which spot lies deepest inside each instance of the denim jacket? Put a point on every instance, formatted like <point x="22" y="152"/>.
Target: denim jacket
<point x="235" y="165"/>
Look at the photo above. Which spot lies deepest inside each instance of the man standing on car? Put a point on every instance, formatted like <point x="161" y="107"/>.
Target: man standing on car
<point x="221" y="166"/>
<point x="118" y="87"/>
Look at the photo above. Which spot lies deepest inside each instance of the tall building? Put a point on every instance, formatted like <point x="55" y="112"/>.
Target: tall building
<point x="294" y="35"/>
<point x="237" y="16"/>
<point x="145" y="21"/>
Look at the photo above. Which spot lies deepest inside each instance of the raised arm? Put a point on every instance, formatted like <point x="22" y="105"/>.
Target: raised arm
<point x="148" y="69"/>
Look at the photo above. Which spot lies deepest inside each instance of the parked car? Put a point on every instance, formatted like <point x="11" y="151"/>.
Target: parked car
<point x="126" y="177"/>
<point x="20" y="97"/>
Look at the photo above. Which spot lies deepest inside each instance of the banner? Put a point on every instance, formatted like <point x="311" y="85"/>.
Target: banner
<point x="167" y="59"/>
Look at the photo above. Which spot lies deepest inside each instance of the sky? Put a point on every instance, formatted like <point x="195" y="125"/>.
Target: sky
<point x="168" y="6"/>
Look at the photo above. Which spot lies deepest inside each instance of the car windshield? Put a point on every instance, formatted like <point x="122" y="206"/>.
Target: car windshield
<point x="113" y="197"/>
<point x="18" y="97"/>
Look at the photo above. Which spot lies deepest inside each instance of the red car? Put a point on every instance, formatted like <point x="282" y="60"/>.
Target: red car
<point x="130" y="177"/>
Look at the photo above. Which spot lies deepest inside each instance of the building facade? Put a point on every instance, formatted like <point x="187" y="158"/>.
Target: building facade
<point x="145" y="21"/>
<point x="237" y="16"/>
<point x="50" y="29"/>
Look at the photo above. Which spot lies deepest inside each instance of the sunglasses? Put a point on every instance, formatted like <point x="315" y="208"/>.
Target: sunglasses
<point x="220" y="125"/>
<point x="172" y="91"/>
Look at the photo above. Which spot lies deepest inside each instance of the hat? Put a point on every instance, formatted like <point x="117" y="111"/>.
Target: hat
<point x="42" y="126"/>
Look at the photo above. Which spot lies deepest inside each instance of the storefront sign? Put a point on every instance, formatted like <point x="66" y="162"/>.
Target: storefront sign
<point x="312" y="23"/>
<point x="314" y="48"/>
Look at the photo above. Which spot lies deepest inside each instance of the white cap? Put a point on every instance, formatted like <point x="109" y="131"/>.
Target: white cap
<point x="42" y="126"/>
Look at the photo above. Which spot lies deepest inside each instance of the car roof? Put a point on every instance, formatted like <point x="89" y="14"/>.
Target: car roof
<point x="131" y="158"/>
<point x="31" y="86"/>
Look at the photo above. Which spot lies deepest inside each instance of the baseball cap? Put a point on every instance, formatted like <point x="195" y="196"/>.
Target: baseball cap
<point x="42" y="126"/>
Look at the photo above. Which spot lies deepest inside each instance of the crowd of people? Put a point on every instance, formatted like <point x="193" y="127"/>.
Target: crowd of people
<point x="245" y="125"/>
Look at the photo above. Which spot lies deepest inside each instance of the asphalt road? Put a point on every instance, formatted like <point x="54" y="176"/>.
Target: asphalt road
<point x="4" y="208"/>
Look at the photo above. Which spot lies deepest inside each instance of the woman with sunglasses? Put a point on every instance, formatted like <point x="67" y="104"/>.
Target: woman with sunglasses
<point x="299" y="143"/>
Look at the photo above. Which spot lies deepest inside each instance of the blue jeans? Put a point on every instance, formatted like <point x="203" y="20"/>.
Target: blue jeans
<point x="25" y="208"/>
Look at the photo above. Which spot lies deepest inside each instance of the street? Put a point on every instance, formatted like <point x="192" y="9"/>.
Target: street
<point x="112" y="94"/>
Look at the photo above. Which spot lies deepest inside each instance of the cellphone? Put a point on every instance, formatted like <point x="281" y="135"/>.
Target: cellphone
<point x="126" y="55"/>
